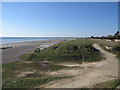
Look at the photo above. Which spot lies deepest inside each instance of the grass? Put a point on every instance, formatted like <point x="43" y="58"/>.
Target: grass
<point x="11" y="71"/>
<point x="108" y="84"/>
<point x="29" y="83"/>
<point x="71" y="51"/>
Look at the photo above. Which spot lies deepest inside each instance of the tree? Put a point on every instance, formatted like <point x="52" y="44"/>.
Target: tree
<point x="117" y="33"/>
<point x="92" y="36"/>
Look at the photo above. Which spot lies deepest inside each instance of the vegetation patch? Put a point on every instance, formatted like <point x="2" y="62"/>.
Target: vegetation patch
<point x="108" y="84"/>
<point x="29" y="83"/>
<point x="75" y="51"/>
<point x="28" y="71"/>
<point x="116" y="49"/>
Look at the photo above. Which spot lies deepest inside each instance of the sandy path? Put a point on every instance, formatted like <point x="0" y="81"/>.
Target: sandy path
<point x="98" y="72"/>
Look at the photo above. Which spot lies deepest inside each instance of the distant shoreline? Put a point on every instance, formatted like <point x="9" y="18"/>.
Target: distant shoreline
<point x="7" y="40"/>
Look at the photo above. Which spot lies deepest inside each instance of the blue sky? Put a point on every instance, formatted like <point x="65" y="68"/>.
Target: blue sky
<point x="60" y="19"/>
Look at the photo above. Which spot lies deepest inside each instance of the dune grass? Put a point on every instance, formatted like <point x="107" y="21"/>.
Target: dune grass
<point x="74" y="51"/>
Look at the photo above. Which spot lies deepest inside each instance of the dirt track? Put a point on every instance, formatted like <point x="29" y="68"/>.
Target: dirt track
<point x="90" y="73"/>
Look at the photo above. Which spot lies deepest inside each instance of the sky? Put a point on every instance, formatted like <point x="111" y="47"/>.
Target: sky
<point x="59" y="19"/>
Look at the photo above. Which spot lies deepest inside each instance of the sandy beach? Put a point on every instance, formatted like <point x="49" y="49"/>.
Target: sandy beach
<point x="12" y="51"/>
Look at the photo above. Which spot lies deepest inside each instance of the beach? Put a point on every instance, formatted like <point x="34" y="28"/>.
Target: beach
<point x="12" y="51"/>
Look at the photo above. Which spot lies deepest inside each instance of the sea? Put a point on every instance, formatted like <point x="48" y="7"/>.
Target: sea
<point x="26" y="39"/>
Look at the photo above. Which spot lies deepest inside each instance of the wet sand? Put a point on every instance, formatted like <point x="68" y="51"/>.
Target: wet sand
<point x="14" y="50"/>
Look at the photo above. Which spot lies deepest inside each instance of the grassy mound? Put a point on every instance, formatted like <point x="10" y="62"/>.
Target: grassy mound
<point x="74" y="51"/>
<point x="32" y="70"/>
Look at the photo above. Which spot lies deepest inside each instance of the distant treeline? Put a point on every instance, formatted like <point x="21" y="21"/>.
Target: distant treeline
<point x="111" y="37"/>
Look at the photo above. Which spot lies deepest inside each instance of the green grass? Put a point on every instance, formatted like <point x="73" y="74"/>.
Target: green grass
<point x="74" y="51"/>
<point x="29" y="83"/>
<point x="108" y="84"/>
<point x="11" y="70"/>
